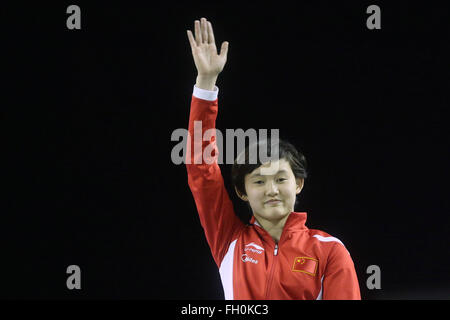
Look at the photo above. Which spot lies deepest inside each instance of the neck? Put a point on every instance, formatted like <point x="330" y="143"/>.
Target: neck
<point x="273" y="227"/>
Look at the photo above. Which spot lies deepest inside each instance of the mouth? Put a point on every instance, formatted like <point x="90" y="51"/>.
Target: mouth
<point x="273" y="201"/>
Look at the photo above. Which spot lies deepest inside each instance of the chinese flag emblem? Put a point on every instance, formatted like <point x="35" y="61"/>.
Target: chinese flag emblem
<point x="306" y="265"/>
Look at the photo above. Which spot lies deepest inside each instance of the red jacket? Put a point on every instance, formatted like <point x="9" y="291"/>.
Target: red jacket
<point x="305" y="264"/>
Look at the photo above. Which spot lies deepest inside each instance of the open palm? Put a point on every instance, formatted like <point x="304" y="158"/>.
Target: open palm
<point x="204" y="50"/>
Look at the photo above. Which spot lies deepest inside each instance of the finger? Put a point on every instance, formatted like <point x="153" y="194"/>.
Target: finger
<point x="224" y="49"/>
<point x="204" y="31"/>
<point x="211" y="34"/>
<point x="191" y="39"/>
<point x="198" y="34"/>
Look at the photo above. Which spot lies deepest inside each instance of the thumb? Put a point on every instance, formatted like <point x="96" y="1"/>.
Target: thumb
<point x="224" y="49"/>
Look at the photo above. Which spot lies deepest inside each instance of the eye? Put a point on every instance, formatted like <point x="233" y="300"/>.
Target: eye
<point x="258" y="182"/>
<point x="281" y="179"/>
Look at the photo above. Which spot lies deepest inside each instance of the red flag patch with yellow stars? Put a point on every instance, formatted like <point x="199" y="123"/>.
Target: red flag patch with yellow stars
<point x="306" y="265"/>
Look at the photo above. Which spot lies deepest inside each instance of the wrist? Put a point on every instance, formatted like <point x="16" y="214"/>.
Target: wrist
<point x="206" y="82"/>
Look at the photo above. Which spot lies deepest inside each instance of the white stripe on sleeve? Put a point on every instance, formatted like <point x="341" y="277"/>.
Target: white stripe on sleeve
<point x="327" y="239"/>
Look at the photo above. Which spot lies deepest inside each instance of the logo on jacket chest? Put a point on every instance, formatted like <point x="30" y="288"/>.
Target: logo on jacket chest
<point x="246" y="258"/>
<point x="251" y="248"/>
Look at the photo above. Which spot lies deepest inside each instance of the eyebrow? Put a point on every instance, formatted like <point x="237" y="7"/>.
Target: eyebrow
<point x="260" y="175"/>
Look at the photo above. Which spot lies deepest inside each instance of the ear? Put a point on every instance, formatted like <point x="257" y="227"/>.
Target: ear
<point x="300" y="182"/>
<point x="242" y="196"/>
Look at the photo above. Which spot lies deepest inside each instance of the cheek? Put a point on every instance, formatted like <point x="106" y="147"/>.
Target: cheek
<point x="289" y="190"/>
<point x="254" y="196"/>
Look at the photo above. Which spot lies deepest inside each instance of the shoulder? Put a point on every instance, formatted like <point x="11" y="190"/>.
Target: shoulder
<point x="326" y="242"/>
<point x="324" y="237"/>
<point x="331" y="249"/>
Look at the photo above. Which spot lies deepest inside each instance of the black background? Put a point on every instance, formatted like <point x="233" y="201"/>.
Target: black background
<point x="87" y="117"/>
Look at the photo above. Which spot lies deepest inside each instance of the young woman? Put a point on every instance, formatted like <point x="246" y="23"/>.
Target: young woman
<point x="275" y="256"/>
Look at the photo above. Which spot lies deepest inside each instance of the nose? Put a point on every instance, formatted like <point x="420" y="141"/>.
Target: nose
<point x="271" y="188"/>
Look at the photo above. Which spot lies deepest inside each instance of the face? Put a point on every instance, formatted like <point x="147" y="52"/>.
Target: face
<point x="271" y="190"/>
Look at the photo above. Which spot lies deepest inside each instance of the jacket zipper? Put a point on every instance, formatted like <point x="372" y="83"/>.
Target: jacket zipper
<point x="269" y="280"/>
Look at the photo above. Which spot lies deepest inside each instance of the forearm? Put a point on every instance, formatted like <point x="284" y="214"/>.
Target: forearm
<point x="202" y="118"/>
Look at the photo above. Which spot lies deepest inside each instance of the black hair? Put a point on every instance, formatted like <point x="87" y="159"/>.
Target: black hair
<point x="286" y="151"/>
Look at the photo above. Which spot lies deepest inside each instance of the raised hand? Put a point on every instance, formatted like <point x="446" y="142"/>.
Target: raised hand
<point x="208" y="63"/>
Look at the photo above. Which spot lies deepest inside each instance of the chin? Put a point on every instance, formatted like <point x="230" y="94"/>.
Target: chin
<point x="277" y="213"/>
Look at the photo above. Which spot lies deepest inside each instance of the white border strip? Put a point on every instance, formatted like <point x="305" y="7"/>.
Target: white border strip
<point x="319" y="297"/>
<point x="226" y="272"/>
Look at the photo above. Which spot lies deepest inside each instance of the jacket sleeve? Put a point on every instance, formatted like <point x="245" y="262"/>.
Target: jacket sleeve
<point x="205" y="180"/>
<point x="340" y="281"/>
